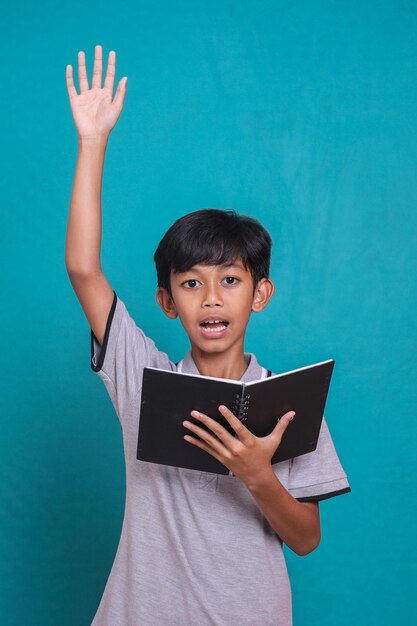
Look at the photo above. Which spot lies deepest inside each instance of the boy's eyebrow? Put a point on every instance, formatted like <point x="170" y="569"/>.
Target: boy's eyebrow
<point x="231" y="264"/>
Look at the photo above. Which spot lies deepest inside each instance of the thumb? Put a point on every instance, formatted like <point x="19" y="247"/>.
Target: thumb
<point x="120" y="92"/>
<point x="283" y="422"/>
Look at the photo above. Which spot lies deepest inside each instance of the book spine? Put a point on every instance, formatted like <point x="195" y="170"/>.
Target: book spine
<point x="241" y="405"/>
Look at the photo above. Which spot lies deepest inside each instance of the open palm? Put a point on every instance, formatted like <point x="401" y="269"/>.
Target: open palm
<point x="94" y="110"/>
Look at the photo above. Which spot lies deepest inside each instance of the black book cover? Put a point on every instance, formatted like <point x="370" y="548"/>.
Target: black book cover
<point x="169" y="397"/>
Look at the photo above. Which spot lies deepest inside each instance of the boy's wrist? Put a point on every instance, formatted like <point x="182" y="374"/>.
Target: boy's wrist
<point x="260" y="479"/>
<point x="99" y="141"/>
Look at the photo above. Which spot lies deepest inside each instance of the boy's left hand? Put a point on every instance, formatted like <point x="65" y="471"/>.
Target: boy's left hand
<point x="246" y="455"/>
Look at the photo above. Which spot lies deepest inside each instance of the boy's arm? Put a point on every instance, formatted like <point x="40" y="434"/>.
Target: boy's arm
<point x="249" y="458"/>
<point x="297" y="523"/>
<point x="95" y="114"/>
<point x="83" y="239"/>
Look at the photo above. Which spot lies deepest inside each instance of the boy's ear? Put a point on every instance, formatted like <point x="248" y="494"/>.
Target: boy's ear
<point x="263" y="293"/>
<point x="166" y="303"/>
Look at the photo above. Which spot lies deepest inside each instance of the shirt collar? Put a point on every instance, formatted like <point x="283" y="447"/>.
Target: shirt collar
<point x="254" y="371"/>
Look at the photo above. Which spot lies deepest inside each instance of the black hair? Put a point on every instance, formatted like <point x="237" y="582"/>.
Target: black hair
<point x="213" y="237"/>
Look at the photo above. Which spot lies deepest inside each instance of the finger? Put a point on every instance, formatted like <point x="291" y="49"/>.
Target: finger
<point x="97" y="69"/>
<point x="222" y="434"/>
<point x="72" y="92"/>
<point x="283" y="423"/>
<point x="120" y="93"/>
<point x="82" y="73"/>
<point x="209" y="438"/>
<point x="203" y="446"/>
<point x="244" y="435"/>
<point x="111" y="72"/>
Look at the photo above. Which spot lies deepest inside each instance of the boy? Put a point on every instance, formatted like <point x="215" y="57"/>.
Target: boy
<point x="196" y="548"/>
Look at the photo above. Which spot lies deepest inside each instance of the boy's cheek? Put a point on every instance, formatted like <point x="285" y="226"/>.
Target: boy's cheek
<point x="187" y="323"/>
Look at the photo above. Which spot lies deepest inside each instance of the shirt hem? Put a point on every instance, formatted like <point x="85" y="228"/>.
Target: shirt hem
<point x="97" y="367"/>
<point x="324" y="496"/>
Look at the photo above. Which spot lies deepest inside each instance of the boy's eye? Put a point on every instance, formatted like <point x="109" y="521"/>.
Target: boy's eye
<point x="190" y="284"/>
<point x="231" y="280"/>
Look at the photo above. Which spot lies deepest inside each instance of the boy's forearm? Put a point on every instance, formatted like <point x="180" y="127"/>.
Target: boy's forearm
<point x="83" y="238"/>
<point x="296" y="524"/>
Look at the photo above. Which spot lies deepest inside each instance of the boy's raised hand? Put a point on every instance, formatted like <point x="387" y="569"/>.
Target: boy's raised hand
<point x="246" y="455"/>
<point x="94" y="110"/>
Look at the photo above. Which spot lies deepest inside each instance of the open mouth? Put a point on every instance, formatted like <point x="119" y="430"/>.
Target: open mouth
<point x="213" y="326"/>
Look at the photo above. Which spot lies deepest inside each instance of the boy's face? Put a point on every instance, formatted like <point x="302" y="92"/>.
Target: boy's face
<point x="214" y="303"/>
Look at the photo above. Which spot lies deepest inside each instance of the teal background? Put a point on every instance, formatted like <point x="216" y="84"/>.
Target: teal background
<point x="301" y="114"/>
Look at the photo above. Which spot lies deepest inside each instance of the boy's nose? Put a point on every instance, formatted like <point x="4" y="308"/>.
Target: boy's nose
<point x="212" y="298"/>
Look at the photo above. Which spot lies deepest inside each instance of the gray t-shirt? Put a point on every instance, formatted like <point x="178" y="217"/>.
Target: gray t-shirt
<point x="195" y="549"/>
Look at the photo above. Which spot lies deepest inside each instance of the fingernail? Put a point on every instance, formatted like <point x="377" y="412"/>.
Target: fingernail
<point x="292" y="415"/>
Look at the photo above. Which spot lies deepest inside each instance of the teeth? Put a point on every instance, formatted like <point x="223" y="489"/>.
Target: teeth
<point x="212" y="322"/>
<point x="214" y="330"/>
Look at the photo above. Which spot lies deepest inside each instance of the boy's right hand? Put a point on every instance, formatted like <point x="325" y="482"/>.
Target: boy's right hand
<point x="93" y="110"/>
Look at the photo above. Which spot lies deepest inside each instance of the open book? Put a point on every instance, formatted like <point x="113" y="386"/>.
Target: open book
<point x="169" y="397"/>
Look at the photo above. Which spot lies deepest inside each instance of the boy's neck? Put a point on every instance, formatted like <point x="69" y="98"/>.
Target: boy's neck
<point x="221" y="364"/>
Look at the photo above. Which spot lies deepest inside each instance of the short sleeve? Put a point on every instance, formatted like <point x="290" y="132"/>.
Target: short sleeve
<point x="125" y="351"/>
<point x="318" y="475"/>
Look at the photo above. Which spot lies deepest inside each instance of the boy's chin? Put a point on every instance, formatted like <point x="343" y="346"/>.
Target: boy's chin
<point x="211" y="346"/>
<point x="211" y="349"/>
